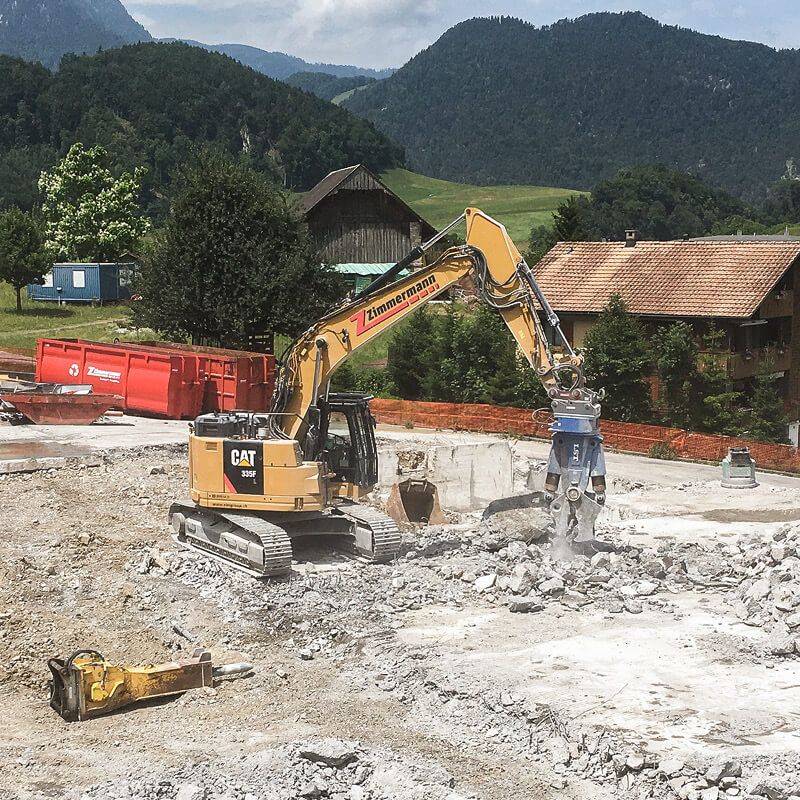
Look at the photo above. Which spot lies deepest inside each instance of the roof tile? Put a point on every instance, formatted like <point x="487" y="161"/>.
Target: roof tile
<point x="672" y="279"/>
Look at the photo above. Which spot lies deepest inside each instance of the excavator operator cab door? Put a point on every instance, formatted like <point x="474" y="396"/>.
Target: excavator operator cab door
<point x="347" y="438"/>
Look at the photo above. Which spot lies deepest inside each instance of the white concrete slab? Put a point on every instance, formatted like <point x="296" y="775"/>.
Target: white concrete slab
<point x="30" y="447"/>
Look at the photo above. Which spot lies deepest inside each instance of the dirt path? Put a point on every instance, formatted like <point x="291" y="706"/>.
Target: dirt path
<point x="56" y="330"/>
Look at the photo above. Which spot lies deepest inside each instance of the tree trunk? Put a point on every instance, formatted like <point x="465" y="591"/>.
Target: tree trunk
<point x="19" y="297"/>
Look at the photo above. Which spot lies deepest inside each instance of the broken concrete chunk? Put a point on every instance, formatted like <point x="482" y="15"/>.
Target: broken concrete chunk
<point x="777" y="552"/>
<point x="768" y="788"/>
<point x="759" y="590"/>
<point x="671" y="766"/>
<point x="635" y="762"/>
<point x="552" y="586"/>
<point x="558" y="750"/>
<point x="655" y="568"/>
<point x="781" y="641"/>
<point x="793" y="621"/>
<point x="677" y="784"/>
<point x="189" y="791"/>
<point x="331" y="752"/>
<point x="521" y="580"/>
<point x="315" y="788"/>
<point x="646" y="588"/>
<point x="485" y="582"/>
<point x="527" y="606"/>
<point x="633" y="606"/>
<point x="723" y="769"/>
<point x="600" y="560"/>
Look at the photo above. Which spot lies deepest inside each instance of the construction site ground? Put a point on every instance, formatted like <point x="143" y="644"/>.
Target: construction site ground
<point x="486" y="662"/>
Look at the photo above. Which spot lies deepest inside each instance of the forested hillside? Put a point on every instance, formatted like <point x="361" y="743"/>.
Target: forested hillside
<point x="44" y="30"/>
<point x="325" y="85"/>
<point x="282" y="65"/>
<point x="149" y="104"/>
<point x="571" y="103"/>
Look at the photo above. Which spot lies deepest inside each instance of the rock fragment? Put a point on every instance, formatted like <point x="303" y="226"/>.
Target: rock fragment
<point x="331" y="752"/>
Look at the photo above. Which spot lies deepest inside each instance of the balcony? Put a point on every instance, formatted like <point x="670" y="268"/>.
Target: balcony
<point x="758" y="362"/>
<point x="777" y="304"/>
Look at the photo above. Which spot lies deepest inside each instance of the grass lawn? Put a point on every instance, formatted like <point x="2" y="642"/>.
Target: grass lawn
<point x="42" y="320"/>
<point x="519" y="208"/>
<point x="794" y="230"/>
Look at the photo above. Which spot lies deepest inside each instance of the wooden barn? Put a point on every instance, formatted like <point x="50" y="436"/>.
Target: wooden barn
<point x="355" y="218"/>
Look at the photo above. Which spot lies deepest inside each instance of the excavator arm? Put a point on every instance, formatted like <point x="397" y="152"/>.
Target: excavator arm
<point x="575" y="484"/>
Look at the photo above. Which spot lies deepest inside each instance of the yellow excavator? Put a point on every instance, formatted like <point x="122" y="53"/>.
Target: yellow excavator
<point x="258" y="480"/>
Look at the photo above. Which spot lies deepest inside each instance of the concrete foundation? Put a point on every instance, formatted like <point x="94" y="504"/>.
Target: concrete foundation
<point x="468" y="476"/>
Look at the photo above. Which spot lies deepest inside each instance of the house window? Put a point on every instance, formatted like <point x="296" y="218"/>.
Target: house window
<point x="78" y="279"/>
<point x="48" y="280"/>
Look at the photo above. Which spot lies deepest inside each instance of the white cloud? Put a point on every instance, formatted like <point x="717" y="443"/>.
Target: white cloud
<point x="379" y="33"/>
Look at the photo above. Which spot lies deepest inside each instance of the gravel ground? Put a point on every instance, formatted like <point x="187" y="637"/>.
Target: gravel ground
<point x="352" y="696"/>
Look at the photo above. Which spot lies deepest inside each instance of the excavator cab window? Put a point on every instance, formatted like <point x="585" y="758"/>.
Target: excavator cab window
<point x="347" y="438"/>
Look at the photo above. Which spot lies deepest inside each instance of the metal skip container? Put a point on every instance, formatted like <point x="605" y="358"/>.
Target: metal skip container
<point x="165" y="379"/>
<point x="157" y="383"/>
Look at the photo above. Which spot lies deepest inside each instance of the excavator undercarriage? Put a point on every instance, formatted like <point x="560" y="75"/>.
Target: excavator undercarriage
<point x="224" y="521"/>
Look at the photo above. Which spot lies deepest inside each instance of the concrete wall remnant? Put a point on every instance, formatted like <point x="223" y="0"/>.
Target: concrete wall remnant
<point x="468" y="476"/>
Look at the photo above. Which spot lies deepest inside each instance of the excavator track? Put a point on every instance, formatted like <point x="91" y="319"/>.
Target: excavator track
<point x="243" y="540"/>
<point x="383" y="534"/>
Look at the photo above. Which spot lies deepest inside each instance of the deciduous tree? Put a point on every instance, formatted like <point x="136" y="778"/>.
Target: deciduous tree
<point x="89" y="214"/>
<point x="23" y="257"/>
<point x="234" y="260"/>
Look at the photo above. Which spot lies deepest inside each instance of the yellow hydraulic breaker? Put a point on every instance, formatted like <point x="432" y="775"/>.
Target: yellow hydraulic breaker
<point x="86" y="685"/>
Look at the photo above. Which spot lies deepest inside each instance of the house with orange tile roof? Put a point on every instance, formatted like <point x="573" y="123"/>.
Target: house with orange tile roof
<point x="743" y="286"/>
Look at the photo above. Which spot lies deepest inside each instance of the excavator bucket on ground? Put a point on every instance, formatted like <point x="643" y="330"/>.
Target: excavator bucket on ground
<point x="415" y="501"/>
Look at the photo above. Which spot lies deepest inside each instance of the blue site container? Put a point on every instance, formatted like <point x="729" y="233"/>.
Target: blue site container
<point x="85" y="283"/>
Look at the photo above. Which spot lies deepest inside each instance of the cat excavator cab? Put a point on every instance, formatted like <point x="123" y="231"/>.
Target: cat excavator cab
<point x="258" y="480"/>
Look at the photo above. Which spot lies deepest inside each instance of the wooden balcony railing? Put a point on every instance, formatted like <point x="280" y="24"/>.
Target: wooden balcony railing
<point x="759" y="362"/>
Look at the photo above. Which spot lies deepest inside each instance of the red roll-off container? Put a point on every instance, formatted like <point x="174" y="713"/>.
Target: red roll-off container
<point x="155" y="382"/>
<point x="165" y="379"/>
<point x="235" y="379"/>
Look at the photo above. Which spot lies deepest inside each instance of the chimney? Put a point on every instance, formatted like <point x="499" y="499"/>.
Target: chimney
<point x="631" y="237"/>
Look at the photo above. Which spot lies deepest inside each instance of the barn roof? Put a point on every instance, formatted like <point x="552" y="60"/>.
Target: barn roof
<point x="327" y="185"/>
<point x="337" y="179"/>
<point x="666" y="279"/>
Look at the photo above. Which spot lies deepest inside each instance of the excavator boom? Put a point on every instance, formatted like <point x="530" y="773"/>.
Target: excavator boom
<point x="575" y="485"/>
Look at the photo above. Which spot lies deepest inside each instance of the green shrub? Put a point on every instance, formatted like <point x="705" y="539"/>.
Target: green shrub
<point x="663" y="450"/>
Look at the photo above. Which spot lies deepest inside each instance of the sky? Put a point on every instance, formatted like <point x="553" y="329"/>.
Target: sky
<point x="386" y="33"/>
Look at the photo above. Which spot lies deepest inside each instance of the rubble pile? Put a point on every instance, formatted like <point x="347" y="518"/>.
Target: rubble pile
<point x="347" y="649"/>
<point x="769" y="593"/>
<point x="525" y="569"/>
<point x="324" y="768"/>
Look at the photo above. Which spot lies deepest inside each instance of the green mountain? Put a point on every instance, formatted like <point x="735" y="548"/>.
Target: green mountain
<point x="45" y="30"/>
<point x="501" y="101"/>
<point x="327" y="86"/>
<point x="151" y="103"/>
<point x="281" y="65"/>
